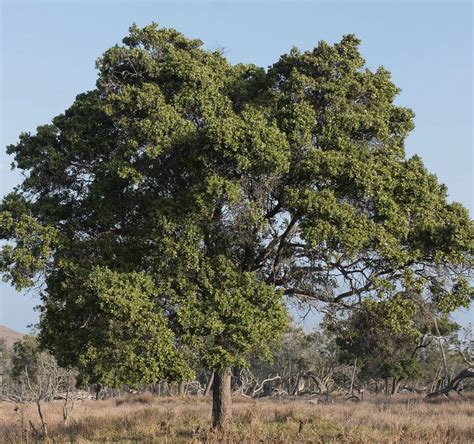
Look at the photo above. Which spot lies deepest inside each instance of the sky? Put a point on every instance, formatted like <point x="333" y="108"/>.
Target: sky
<point x="48" y="52"/>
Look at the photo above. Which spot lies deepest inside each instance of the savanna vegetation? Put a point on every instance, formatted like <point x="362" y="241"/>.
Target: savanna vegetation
<point x="183" y="420"/>
<point x="171" y="215"/>
<point x="308" y="394"/>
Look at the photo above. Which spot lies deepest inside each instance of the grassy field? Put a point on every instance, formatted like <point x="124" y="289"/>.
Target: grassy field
<point x="144" y="418"/>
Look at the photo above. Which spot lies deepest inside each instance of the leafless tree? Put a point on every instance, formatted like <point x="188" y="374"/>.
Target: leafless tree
<point x="50" y="382"/>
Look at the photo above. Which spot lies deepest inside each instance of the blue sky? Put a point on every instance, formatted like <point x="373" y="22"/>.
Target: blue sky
<point x="49" y="50"/>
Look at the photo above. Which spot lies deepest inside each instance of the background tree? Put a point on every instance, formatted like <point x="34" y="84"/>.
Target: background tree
<point x="301" y="361"/>
<point x="35" y="376"/>
<point x="464" y="347"/>
<point x="390" y="339"/>
<point x="4" y="363"/>
<point x="25" y="355"/>
<point x="176" y="204"/>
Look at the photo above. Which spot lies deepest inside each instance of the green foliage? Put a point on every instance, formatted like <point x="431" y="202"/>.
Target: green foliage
<point x="132" y="342"/>
<point x="171" y="208"/>
<point x="388" y="337"/>
<point x="234" y="312"/>
<point x="33" y="245"/>
<point x="24" y="357"/>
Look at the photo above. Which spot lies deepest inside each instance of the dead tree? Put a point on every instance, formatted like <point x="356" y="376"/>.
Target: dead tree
<point x="453" y="385"/>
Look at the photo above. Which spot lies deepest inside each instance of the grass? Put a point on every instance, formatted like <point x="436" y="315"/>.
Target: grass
<point x="145" y="418"/>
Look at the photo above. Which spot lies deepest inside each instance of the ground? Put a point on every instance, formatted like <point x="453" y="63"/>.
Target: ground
<point x="145" y="418"/>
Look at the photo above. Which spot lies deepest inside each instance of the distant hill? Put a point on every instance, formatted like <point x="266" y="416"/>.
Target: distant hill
<point x="9" y="336"/>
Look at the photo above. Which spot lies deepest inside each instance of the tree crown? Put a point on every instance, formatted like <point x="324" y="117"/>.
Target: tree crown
<point x="177" y="202"/>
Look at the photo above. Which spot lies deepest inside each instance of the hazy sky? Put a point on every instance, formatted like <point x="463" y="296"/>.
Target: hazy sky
<point x="49" y="49"/>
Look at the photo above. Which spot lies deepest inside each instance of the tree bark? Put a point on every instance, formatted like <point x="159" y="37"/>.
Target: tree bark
<point x="43" y="422"/>
<point x="396" y="385"/>
<point x="222" y="399"/>
<point x="209" y="384"/>
<point x="97" y="388"/>
<point x="443" y="354"/>
<point x="353" y="377"/>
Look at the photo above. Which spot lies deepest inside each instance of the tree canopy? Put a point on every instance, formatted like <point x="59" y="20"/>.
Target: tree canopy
<point x="172" y="208"/>
<point x="388" y="337"/>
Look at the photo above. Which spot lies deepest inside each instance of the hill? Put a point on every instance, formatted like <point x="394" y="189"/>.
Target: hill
<point x="9" y="336"/>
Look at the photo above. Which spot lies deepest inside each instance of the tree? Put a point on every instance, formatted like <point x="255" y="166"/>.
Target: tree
<point x="36" y="377"/>
<point x="299" y="357"/>
<point x="4" y="363"/>
<point x="25" y="355"/>
<point x="389" y="337"/>
<point x="172" y="207"/>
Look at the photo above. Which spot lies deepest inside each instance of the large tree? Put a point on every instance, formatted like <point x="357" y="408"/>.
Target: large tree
<point x="172" y="208"/>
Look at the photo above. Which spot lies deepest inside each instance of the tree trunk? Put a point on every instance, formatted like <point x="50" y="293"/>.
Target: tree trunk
<point x="351" y="390"/>
<point x="396" y="385"/>
<point x="97" y="388"/>
<point x="209" y="384"/>
<point x="443" y="354"/>
<point x="43" y="422"/>
<point x="221" y="399"/>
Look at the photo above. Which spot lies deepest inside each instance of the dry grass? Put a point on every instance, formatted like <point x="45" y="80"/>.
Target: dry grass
<point x="145" y="418"/>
